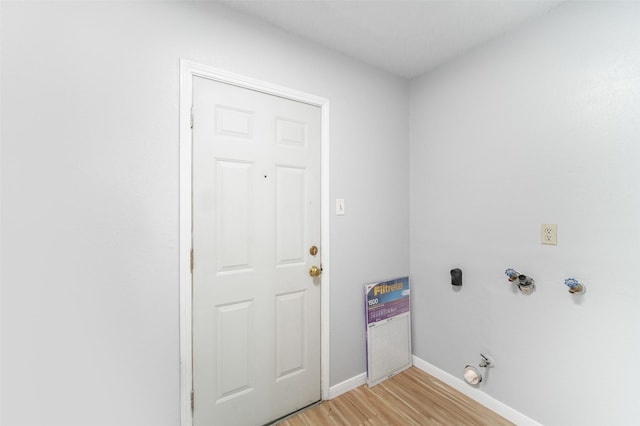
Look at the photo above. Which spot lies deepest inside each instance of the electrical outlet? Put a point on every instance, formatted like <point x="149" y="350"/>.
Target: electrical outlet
<point x="339" y="206"/>
<point x="549" y="234"/>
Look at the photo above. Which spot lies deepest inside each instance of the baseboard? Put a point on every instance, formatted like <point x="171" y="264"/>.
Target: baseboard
<point x="460" y="385"/>
<point x="347" y="385"/>
<point x="477" y="395"/>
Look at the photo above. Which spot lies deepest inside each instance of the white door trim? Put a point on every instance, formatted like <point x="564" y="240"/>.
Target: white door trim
<point x="189" y="70"/>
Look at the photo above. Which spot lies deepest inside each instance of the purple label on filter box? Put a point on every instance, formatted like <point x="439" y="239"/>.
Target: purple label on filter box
<point x="387" y="299"/>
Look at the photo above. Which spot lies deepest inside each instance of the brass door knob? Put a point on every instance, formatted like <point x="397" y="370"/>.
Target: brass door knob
<point x="314" y="271"/>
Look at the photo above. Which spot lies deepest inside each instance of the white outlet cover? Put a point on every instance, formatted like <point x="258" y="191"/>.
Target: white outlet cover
<point x="549" y="234"/>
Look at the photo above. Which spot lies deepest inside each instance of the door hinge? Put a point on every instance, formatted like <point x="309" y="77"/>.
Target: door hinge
<point x="191" y="260"/>
<point x="193" y="398"/>
<point x="192" y="116"/>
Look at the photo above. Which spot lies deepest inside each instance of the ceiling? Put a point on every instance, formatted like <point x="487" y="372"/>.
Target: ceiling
<point x="403" y="37"/>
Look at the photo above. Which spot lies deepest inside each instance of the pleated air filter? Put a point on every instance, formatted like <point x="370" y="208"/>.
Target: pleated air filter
<point x="388" y="310"/>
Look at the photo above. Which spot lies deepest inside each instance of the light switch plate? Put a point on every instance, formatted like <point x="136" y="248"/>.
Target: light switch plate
<point x="339" y="206"/>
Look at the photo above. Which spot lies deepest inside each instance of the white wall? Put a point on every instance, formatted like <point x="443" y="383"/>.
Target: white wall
<point x="541" y="126"/>
<point x="90" y="197"/>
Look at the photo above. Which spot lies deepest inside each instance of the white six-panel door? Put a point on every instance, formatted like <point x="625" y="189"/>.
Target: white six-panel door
<point x="255" y="215"/>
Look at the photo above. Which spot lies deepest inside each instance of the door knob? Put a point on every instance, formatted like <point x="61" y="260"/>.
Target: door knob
<point x="314" y="271"/>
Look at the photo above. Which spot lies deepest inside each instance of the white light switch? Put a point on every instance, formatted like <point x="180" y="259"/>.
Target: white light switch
<point x="339" y="206"/>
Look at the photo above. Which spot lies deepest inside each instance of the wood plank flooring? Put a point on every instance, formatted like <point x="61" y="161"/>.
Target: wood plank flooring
<point x="412" y="397"/>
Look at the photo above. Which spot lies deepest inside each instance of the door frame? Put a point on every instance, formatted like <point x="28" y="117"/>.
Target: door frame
<point x="189" y="70"/>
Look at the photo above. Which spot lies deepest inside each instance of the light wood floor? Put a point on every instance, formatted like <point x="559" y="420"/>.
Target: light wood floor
<point x="412" y="397"/>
